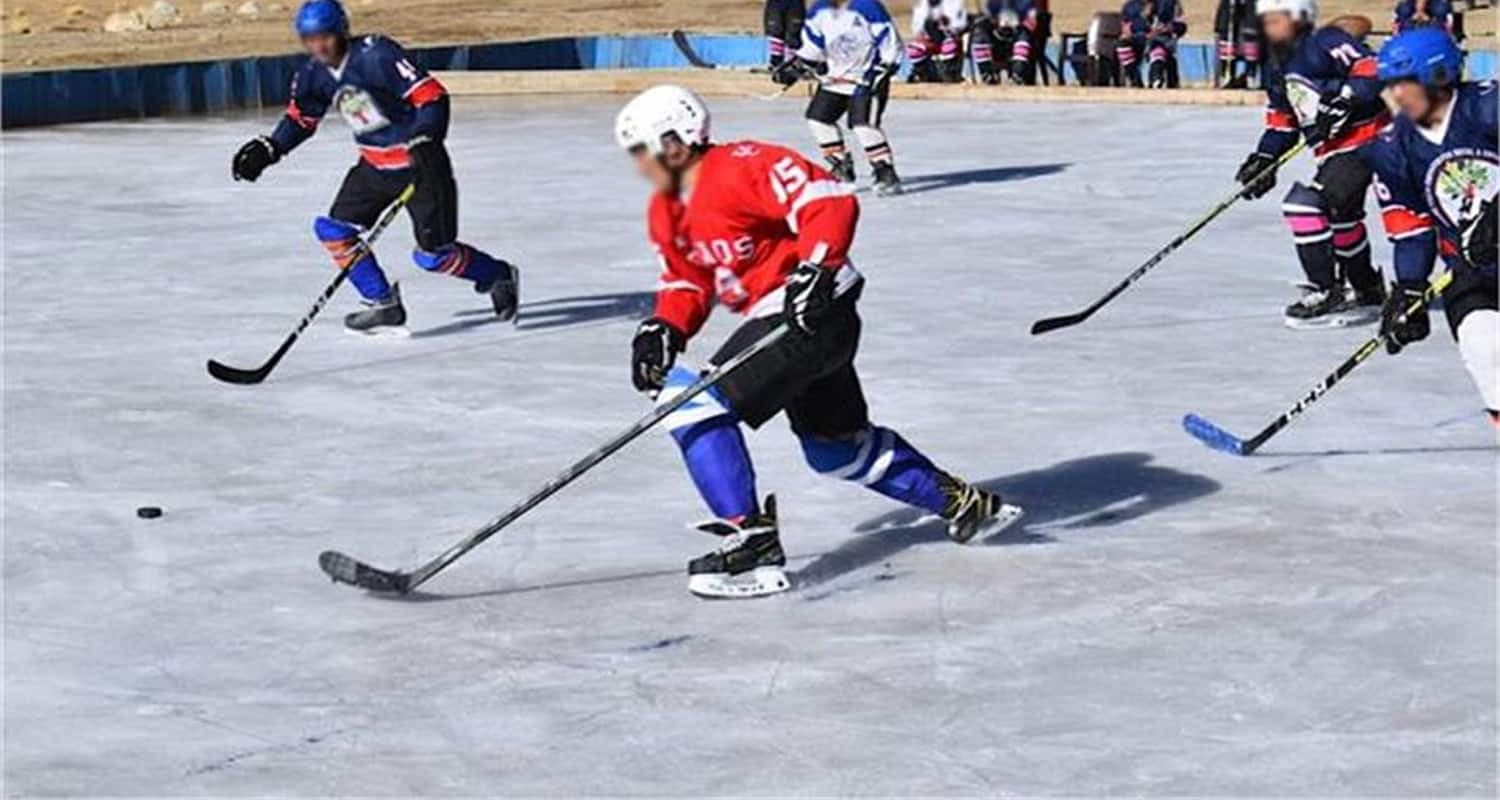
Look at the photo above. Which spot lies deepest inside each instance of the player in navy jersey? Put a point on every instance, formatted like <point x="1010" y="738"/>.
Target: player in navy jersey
<point x="1321" y="85"/>
<point x="1437" y="173"/>
<point x="1008" y="32"/>
<point x="399" y="116"/>
<point x="1150" y="29"/>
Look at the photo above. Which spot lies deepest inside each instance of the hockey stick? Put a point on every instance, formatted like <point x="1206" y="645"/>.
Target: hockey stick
<point x="680" y="38"/>
<point x="345" y="569"/>
<point x="1066" y="320"/>
<point x="230" y="374"/>
<point x="1220" y="439"/>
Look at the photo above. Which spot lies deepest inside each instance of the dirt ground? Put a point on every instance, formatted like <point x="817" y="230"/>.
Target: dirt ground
<point x="52" y="34"/>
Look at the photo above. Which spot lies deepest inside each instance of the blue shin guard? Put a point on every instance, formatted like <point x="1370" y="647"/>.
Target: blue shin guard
<point x="879" y="459"/>
<point x="341" y="239"/>
<point x="713" y="448"/>
<point x="461" y="261"/>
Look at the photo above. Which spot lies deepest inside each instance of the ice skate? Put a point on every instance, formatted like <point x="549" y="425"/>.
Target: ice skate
<point x="385" y="317"/>
<point x="504" y="292"/>
<point x="972" y="511"/>
<point x="887" y="183"/>
<point x="842" y="168"/>
<point x="749" y="561"/>
<point x="1321" y="308"/>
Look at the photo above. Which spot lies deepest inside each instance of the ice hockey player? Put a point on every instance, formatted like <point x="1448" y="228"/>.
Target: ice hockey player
<point x="1150" y="28"/>
<point x="763" y="231"/>
<point x="783" y="23"/>
<point x="399" y="115"/>
<point x="936" y="48"/>
<point x="1008" y="31"/>
<point x="1409" y="14"/>
<point x="1321" y="85"/>
<point x="853" y="50"/>
<point x="1437" y="173"/>
<point x="1238" y="30"/>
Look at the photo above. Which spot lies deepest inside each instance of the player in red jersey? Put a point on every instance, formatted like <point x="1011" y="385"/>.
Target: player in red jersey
<point x="762" y="230"/>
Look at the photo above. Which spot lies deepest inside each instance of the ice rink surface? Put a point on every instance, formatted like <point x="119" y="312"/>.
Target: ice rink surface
<point x="1317" y="620"/>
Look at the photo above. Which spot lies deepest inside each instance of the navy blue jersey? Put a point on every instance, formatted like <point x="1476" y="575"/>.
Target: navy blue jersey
<point x="1142" y="18"/>
<point x="1431" y="182"/>
<point x="1438" y="12"/>
<point x="1318" y="66"/>
<point x="1024" y="10"/>
<point x="387" y="101"/>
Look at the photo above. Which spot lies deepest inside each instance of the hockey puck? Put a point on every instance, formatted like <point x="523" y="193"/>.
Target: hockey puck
<point x="148" y="512"/>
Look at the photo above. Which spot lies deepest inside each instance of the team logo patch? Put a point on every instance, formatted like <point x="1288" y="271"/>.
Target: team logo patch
<point x="1304" y="98"/>
<point x="1459" y="181"/>
<point x="358" y="109"/>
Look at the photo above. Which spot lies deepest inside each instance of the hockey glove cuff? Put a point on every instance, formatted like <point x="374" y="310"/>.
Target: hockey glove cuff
<point x="653" y="352"/>
<point x="809" y="296"/>
<point x="253" y="157"/>
<point x="1399" y="329"/>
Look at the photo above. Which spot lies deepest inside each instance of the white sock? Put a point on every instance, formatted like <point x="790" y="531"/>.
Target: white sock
<point x="824" y="134"/>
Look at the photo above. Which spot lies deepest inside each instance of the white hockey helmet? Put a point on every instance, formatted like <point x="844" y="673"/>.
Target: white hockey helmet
<point x="1304" y="10"/>
<point x="659" y="111"/>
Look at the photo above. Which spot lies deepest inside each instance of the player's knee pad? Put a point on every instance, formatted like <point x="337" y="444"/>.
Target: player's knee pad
<point x="826" y="134"/>
<point x="855" y="457"/>
<point x="340" y="239"/>
<point x="1306" y="212"/>
<point x="869" y="136"/>
<point x="1479" y="343"/>
<point x="705" y="406"/>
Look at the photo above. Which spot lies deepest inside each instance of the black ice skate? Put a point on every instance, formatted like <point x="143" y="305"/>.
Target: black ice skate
<point x="1321" y="308"/>
<point x="379" y="317"/>
<point x="887" y="183"/>
<point x="504" y="292"/>
<point x="972" y="511"/>
<point x="842" y="168"/>
<point x="748" y="562"/>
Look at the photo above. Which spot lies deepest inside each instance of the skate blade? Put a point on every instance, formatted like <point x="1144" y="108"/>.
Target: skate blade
<point x="889" y="191"/>
<point x="383" y="332"/>
<point x="1008" y="515"/>
<point x="1344" y="319"/>
<point x="759" y="582"/>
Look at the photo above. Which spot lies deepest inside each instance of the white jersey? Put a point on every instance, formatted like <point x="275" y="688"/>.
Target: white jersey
<point x="857" y="41"/>
<point x="950" y="15"/>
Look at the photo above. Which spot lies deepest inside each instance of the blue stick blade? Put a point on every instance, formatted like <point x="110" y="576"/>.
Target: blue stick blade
<point x="1212" y="435"/>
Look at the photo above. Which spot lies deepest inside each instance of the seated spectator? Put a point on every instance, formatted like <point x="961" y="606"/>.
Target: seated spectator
<point x="1237" y="27"/>
<point x="1420" y="13"/>
<point x="937" y="31"/>
<point x="1151" y="29"/>
<point x="1009" y="33"/>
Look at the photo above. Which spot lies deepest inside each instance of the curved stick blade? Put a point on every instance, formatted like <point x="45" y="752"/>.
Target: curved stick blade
<point x="344" y="569"/>
<point x="1212" y="435"/>
<point x="1053" y="323"/>
<point x="229" y="374"/>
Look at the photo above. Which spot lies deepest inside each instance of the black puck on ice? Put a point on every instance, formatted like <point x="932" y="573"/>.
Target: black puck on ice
<point x="148" y="512"/>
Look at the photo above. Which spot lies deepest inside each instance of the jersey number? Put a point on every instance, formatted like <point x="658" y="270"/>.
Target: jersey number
<point x="787" y="178"/>
<point x="406" y="70"/>
<point x="1346" y="54"/>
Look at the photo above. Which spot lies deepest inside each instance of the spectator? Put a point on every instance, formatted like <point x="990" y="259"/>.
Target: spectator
<point x="1238" y="29"/>
<point x="1151" y="28"/>
<point x="937" y="31"/>
<point x="1009" y="32"/>
<point x="1421" y="13"/>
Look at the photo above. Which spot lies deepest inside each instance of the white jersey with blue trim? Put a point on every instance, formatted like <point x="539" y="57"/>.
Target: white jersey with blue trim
<point x="856" y="39"/>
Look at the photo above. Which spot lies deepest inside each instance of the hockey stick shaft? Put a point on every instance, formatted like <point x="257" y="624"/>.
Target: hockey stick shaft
<point x="1067" y="320"/>
<point x="232" y="375"/>
<point x="594" y="458"/>
<point x="1369" y="348"/>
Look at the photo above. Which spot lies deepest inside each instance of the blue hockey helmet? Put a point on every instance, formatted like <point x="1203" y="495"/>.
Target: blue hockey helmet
<point x="321" y="16"/>
<point x="1427" y="55"/>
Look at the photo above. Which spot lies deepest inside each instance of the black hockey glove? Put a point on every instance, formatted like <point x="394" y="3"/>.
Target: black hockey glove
<point x="809" y="296"/>
<point x="1256" y="164"/>
<point x="1333" y="116"/>
<point x="789" y="71"/>
<point x="429" y="162"/>
<point x="253" y="157"/>
<point x="652" y="354"/>
<point x="1399" y="329"/>
<point x="1478" y="236"/>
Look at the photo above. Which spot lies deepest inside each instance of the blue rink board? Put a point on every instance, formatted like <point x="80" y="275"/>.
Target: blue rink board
<point x="81" y="95"/>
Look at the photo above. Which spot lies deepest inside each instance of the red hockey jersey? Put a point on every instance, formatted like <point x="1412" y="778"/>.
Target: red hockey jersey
<point x="755" y="212"/>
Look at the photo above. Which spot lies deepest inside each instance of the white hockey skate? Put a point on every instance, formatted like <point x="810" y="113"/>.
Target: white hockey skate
<point x="749" y="561"/>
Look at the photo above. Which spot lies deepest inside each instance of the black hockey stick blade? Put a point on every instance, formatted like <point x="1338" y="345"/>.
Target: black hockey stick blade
<point x="1053" y="323"/>
<point x="229" y="374"/>
<point x="680" y="39"/>
<point x="344" y="569"/>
